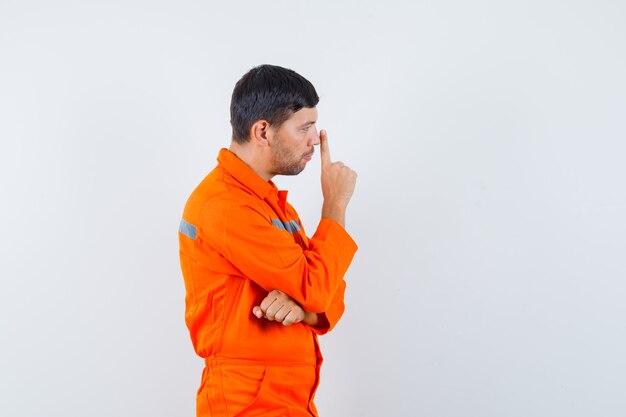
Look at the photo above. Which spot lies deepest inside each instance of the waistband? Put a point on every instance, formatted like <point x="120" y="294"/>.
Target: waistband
<point x="218" y="360"/>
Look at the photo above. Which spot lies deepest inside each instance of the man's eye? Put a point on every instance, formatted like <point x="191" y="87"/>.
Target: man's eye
<point x="306" y="129"/>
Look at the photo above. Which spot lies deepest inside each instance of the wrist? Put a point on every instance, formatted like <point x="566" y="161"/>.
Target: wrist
<point x="334" y="211"/>
<point x="310" y="318"/>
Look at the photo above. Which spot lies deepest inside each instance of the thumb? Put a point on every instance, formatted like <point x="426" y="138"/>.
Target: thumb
<point x="324" y="150"/>
<point x="256" y="310"/>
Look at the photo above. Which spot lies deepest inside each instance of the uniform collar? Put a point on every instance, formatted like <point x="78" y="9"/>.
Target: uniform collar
<point x="244" y="174"/>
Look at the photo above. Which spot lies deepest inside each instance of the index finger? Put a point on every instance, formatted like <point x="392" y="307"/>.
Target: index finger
<point x="268" y="301"/>
<point x="324" y="150"/>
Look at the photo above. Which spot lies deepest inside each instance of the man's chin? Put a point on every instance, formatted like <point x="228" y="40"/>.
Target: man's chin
<point x="289" y="172"/>
<point x="294" y="170"/>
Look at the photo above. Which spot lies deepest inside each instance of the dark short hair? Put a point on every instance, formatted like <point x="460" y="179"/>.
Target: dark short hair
<point x="271" y="93"/>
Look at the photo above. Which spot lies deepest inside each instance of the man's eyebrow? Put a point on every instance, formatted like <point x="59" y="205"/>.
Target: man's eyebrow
<point x="312" y="122"/>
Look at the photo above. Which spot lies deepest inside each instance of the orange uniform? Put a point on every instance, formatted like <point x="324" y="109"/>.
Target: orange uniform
<point x="239" y="240"/>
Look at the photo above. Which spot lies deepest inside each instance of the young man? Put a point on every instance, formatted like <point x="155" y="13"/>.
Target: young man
<point x="259" y="291"/>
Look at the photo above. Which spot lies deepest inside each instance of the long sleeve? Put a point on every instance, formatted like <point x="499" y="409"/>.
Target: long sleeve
<point x="330" y="317"/>
<point x="269" y="256"/>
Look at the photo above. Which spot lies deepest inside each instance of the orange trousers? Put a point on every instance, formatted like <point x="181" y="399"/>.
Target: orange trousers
<point x="230" y="389"/>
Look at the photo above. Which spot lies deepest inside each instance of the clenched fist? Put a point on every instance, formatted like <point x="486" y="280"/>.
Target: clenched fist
<point x="278" y="306"/>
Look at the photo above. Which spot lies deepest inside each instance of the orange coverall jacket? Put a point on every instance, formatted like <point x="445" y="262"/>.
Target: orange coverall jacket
<point x="240" y="239"/>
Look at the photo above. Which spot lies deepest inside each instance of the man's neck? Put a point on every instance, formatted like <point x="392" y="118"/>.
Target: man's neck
<point x="252" y="157"/>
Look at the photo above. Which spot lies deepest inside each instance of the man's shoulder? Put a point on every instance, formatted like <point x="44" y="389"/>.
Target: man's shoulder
<point x="218" y="196"/>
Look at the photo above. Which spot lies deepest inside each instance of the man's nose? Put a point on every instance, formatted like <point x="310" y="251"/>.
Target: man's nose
<point x="315" y="139"/>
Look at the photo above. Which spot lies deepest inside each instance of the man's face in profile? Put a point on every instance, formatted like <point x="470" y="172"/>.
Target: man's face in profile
<point x="293" y="142"/>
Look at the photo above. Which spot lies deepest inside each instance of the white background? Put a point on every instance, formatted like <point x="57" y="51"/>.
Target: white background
<point x="489" y="140"/>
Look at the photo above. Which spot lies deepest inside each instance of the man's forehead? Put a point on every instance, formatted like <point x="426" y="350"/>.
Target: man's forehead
<point x="305" y="115"/>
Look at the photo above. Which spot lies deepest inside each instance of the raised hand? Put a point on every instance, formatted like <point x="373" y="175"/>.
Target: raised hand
<point x="338" y="182"/>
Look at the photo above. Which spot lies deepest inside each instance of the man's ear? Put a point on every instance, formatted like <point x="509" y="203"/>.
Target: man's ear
<point x="260" y="133"/>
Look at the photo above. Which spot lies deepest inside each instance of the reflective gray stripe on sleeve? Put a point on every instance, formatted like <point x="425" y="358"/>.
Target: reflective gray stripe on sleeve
<point x="291" y="226"/>
<point x="278" y="224"/>
<point x="187" y="229"/>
